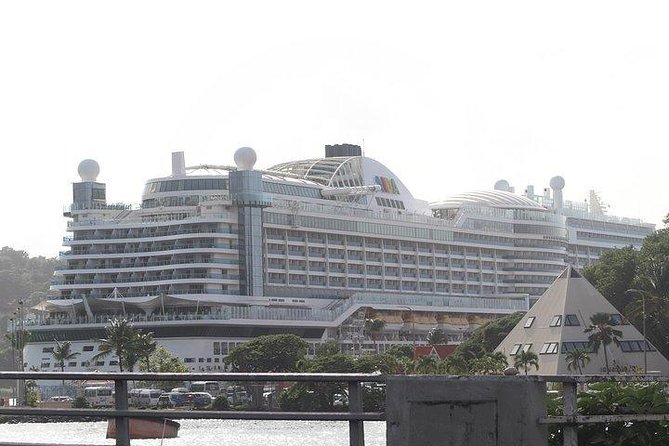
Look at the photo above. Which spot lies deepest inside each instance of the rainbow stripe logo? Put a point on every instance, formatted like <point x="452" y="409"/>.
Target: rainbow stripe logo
<point x="388" y="185"/>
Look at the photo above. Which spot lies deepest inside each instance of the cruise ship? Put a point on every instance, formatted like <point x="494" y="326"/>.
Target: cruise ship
<point x="216" y="255"/>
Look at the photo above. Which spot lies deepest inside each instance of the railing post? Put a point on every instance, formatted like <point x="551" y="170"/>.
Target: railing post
<point x="121" y="403"/>
<point x="569" y="431"/>
<point x="356" y="430"/>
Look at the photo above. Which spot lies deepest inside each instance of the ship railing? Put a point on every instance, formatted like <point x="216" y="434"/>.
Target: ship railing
<point x="167" y="278"/>
<point x="102" y="268"/>
<point x="356" y="416"/>
<point x="190" y="217"/>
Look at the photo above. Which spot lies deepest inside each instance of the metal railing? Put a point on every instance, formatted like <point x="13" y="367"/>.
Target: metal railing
<point x="571" y="419"/>
<point x="121" y="413"/>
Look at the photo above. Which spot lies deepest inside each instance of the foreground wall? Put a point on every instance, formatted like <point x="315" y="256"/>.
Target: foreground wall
<point x="468" y="410"/>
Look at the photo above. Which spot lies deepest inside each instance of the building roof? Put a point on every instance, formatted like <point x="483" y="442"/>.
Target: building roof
<point x="573" y="300"/>
<point x="494" y="198"/>
<point x="437" y="351"/>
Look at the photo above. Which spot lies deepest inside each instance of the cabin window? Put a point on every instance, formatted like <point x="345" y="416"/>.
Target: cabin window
<point x="515" y="349"/>
<point x="529" y="321"/>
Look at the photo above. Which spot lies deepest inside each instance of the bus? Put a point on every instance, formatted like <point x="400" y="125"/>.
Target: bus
<point x="99" y="396"/>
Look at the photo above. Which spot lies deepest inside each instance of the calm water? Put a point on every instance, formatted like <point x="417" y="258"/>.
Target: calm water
<point x="204" y="432"/>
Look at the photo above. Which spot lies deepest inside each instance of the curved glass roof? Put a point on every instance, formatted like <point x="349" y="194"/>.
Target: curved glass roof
<point x="337" y="171"/>
<point x="495" y="199"/>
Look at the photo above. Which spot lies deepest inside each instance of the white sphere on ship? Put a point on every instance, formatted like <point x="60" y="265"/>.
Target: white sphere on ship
<point x="245" y="158"/>
<point x="89" y="170"/>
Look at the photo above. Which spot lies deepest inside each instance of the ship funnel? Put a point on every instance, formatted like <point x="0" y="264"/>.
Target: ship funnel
<point x="178" y="164"/>
<point x="557" y="184"/>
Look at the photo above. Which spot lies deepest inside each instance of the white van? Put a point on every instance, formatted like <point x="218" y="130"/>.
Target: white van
<point x="211" y="387"/>
<point x="148" y="398"/>
<point x="99" y="396"/>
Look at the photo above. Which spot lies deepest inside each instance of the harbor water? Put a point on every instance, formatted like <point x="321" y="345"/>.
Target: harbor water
<point x="203" y="432"/>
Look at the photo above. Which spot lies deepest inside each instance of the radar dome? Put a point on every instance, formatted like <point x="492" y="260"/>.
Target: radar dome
<point x="502" y="185"/>
<point x="557" y="183"/>
<point x="245" y="158"/>
<point x="89" y="170"/>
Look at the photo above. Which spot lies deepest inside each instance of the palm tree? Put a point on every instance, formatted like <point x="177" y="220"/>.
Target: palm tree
<point x="374" y="327"/>
<point x="61" y="353"/>
<point x="120" y="336"/>
<point x="426" y="365"/>
<point x="577" y="359"/>
<point x="525" y="360"/>
<point x="601" y="326"/>
<point x="436" y="336"/>
<point x="456" y="364"/>
<point x="145" y="346"/>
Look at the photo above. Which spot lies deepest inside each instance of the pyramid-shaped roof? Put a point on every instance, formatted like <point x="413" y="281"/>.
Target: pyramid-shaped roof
<point x="555" y="326"/>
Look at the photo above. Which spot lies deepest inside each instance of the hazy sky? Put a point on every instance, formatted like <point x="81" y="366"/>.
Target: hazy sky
<point x="452" y="96"/>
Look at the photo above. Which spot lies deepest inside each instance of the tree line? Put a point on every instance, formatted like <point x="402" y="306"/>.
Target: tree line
<point x="630" y="278"/>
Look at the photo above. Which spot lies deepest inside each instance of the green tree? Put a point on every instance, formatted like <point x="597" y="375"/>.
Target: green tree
<point x="646" y="271"/>
<point x="328" y="348"/>
<point x="401" y="351"/>
<point x="120" y="336"/>
<point x="456" y="364"/>
<point x="374" y="329"/>
<point x="526" y="360"/>
<point x="436" y="336"/>
<point x="614" y="274"/>
<point x="577" y="359"/>
<point x="426" y="365"/>
<point x="489" y="364"/>
<point x="145" y="345"/>
<point x="385" y="364"/>
<point x="603" y="333"/>
<point x="62" y="352"/>
<point x="618" y="399"/>
<point x="486" y="338"/>
<point x="22" y="278"/>
<point x="162" y="361"/>
<point x="272" y="353"/>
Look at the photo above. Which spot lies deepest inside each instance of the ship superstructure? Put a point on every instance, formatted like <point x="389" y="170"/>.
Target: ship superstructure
<point x="216" y="255"/>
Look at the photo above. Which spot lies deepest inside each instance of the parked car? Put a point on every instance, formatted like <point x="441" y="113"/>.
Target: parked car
<point x="172" y="399"/>
<point x="61" y="399"/>
<point x="179" y="390"/>
<point x="199" y="399"/>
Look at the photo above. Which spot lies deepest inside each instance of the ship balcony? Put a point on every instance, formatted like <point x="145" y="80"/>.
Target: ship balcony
<point x="87" y="284"/>
<point x="148" y="253"/>
<point x="166" y="237"/>
<point x="157" y="266"/>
